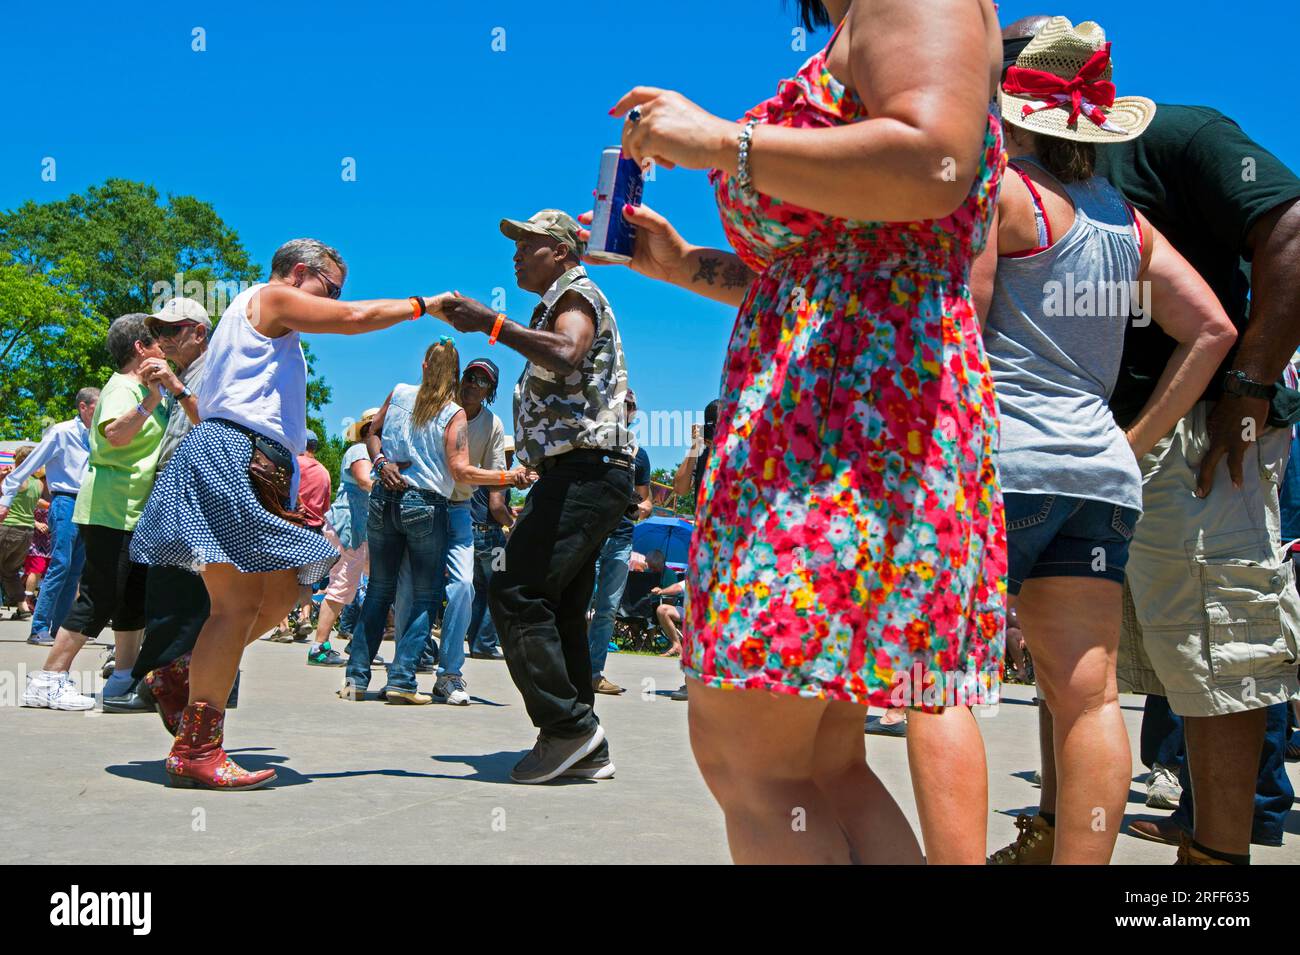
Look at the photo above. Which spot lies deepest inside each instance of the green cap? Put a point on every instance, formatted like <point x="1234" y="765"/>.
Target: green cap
<point x="553" y="223"/>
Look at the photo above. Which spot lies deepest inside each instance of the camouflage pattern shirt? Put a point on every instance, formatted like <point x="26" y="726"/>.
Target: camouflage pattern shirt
<point x="555" y="414"/>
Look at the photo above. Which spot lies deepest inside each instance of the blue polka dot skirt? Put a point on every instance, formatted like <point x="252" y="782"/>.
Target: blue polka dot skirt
<point x="203" y="510"/>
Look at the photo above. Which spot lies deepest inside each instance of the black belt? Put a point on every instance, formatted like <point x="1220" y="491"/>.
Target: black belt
<point x="585" y="456"/>
<point x="429" y="497"/>
<point x="71" y="494"/>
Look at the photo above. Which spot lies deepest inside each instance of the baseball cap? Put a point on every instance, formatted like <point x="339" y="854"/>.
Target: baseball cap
<point x="182" y="310"/>
<point x="312" y="440"/>
<point x="487" y="366"/>
<point x="554" y="223"/>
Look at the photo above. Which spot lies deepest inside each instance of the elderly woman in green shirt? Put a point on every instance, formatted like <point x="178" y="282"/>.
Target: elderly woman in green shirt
<point x="125" y="437"/>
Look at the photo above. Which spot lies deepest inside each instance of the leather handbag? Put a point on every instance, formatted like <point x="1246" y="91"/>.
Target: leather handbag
<point x="270" y="471"/>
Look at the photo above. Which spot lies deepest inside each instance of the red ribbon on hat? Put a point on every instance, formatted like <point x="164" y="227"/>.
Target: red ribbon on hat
<point x="1084" y="93"/>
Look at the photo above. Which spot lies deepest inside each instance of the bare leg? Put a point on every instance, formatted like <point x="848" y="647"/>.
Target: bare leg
<point x="1223" y="759"/>
<point x="945" y="754"/>
<point x="126" y="647"/>
<point x="756" y="752"/>
<point x="239" y="602"/>
<point x="1047" y="754"/>
<point x="876" y="828"/>
<point x="669" y="618"/>
<point x="329" y="613"/>
<point x="67" y="644"/>
<point x="1072" y="627"/>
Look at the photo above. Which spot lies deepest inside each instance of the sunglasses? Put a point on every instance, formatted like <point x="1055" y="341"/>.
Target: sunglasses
<point x="331" y="290"/>
<point x="172" y="329"/>
<point x="478" y="379"/>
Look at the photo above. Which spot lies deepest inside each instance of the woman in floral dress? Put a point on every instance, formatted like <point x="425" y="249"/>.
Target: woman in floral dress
<point x="850" y="545"/>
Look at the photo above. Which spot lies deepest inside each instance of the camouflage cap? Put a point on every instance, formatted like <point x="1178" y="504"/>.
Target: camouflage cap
<point x="553" y="223"/>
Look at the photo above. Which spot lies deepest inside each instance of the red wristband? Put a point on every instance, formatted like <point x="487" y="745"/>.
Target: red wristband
<point x="496" y="330"/>
<point x="418" y="307"/>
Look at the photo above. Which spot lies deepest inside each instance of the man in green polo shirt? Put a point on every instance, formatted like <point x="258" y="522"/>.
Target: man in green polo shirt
<point x="15" y="537"/>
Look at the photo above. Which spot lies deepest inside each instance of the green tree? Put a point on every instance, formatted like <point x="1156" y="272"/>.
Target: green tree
<point x="51" y="344"/>
<point x="117" y="248"/>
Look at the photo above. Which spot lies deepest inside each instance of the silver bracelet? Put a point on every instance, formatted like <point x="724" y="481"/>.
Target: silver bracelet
<point x="743" y="177"/>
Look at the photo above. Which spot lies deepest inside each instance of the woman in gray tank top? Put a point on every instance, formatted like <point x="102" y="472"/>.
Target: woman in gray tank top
<point x="1069" y="265"/>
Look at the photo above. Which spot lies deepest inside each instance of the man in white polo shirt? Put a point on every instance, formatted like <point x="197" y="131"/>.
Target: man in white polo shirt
<point x="63" y="452"/>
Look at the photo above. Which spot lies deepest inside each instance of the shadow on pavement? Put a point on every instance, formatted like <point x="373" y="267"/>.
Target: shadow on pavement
<point x="252" y="759"/>
<point x="495" y="768"/>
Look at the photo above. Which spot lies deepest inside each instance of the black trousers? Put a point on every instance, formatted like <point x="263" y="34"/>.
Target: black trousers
<point x="539" y="599"/>
<point x="112" y="585"/>
<point x="176" y="606"/>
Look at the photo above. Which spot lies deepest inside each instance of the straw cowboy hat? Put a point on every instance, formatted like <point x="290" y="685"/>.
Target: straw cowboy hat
<point x="353" y="433"/>
<point x="1060" y="86"/>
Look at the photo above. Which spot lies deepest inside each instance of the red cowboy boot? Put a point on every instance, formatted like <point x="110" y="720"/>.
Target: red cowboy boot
<point x="197" y="760"/>
<point x="170" y="686"/>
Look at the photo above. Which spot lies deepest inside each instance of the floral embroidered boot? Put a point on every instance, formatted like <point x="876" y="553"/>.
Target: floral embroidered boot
<point x="170" y="686"/>
<point x="197" y="760"/>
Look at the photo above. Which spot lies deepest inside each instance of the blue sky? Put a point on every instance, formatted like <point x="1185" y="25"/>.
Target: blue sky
<point x="449" y="135"/>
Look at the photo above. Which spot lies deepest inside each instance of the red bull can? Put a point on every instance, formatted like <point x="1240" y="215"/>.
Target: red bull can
<point x="613" y="238"/>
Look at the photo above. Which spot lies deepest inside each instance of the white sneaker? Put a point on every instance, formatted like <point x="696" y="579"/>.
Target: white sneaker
<point x="451" y="689"/>
<point x="55" y="691"/>
<point x="1163" y="791"/>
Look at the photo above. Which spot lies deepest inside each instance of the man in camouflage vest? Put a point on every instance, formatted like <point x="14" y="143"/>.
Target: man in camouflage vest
<point x="569" y="427"/>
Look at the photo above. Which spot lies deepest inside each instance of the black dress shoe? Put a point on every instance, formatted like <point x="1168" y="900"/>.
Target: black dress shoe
<point x="137" y="699"/>
<point x="483" y="655"/>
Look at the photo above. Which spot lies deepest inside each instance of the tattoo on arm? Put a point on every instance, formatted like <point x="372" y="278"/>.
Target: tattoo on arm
<point x="708" y="269"/>
<point x="462" y="440"/>
<point x="735" y="275"/>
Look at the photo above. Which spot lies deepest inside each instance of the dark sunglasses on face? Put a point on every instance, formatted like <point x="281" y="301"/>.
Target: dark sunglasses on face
<point x="478" y="380"/>
<point x="172" y="329"/>
<point x="331" y="290"/>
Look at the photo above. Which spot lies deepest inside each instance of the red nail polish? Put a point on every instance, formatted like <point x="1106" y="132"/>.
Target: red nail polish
<point x="614" y="111"/>
<point x="629" y="209"/>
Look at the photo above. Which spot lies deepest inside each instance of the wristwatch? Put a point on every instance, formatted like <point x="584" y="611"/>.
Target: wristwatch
<point x="1237" y="383"/>
<point x="185" y="393"/>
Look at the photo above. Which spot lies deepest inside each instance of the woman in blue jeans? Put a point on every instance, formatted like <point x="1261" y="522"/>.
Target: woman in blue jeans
<point x="1072" y="259"/>
<point x="419" y="449"/>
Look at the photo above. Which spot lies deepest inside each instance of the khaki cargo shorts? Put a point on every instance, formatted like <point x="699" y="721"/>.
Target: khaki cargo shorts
<point x="1211" y="612"/>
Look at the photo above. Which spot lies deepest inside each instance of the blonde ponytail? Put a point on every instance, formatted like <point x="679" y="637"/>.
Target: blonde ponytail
<point x="440" y="382"/>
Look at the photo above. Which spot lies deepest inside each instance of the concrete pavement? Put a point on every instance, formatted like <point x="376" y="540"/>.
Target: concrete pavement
<point x="369" y="782"/>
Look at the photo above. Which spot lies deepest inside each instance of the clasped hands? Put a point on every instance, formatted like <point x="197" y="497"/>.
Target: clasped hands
<point x="461" y="313"/>
<point x="157" y="371"/>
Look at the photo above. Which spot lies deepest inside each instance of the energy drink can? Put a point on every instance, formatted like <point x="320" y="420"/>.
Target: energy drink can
<point x="613" y="238"/>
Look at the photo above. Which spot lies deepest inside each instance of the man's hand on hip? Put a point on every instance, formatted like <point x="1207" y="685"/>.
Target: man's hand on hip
<point x="1235" y="424"/>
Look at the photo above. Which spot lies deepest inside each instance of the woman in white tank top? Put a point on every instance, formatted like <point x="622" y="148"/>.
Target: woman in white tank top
<point x="419" y="445"/>
<point x="205" y="514"/>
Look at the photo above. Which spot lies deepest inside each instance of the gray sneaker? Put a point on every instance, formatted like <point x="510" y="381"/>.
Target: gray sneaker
<point x="596" y="766"/>
<point x="551" y="756"/>
<point x="1163" y="789"/>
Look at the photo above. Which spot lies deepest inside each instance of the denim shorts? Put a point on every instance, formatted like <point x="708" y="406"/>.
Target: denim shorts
<point x="1053" y="535"/>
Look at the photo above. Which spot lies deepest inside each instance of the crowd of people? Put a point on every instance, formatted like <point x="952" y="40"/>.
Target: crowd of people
<point x="998" y="353"/>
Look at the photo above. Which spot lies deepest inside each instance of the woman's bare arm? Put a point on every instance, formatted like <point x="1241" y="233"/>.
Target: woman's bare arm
<point x="1186" y="309"/>
<point x="279" y="308"/>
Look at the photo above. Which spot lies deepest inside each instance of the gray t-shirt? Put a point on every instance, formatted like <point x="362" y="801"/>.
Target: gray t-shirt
<point x="178" y="422"/>
<point x="1054" y="337"/>
<point x="487" y="448"/>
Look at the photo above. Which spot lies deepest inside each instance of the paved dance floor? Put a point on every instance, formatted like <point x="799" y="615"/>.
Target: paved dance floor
<point x="370" y="782"/>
